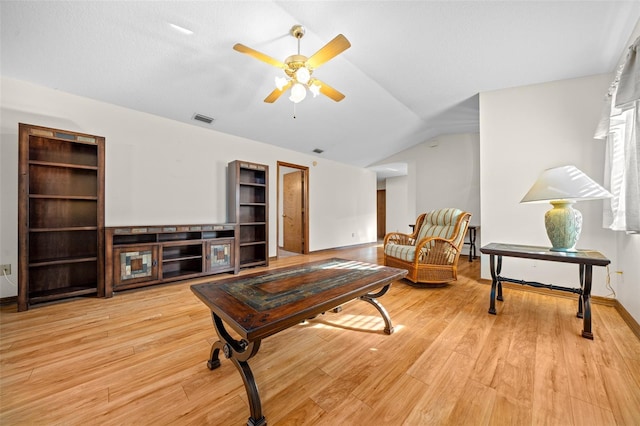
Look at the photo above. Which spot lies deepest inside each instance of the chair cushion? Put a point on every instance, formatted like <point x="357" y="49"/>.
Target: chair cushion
<point x="399" y="251"/>
<point x="439" y="223"/>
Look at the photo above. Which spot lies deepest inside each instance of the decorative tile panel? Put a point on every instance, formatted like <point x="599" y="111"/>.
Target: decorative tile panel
<point x="136" y="264"/>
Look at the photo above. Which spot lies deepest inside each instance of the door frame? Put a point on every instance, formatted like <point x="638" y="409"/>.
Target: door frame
<point x="305" y="203"/>
<point x="381" y="211"/>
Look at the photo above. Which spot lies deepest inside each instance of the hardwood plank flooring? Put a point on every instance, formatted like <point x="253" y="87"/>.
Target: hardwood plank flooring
<point x="139" y="358"/>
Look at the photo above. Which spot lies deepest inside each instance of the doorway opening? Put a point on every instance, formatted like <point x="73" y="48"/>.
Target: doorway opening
<point x="293" y="209"/>
<point x="381" y="216"/>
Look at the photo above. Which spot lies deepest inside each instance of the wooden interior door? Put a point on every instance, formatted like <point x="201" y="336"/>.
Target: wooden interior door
<point x="382" y="213"/>
<point x="292" y="212"/>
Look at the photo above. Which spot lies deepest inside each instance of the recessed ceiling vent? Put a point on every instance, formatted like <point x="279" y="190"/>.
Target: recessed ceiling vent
<point x="318" y="151"/>
<point x="203" y="118"/>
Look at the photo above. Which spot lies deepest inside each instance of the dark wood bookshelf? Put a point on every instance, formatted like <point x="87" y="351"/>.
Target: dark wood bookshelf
<point x="248" y="206"/>
<point x="60" y="215"/>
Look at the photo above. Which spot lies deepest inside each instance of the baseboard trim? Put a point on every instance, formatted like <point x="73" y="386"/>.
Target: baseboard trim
<point x="354" y="246"/>
<point x="626" y="316"/>
<point x="8" y="300"/>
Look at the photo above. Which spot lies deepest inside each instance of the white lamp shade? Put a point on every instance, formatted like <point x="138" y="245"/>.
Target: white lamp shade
<point x="315" y="89"/>
<point x="564" y="183"/>
<point x="281" y="82"/>
<point x="303" y="75"/>
<point x="298" y="93"/>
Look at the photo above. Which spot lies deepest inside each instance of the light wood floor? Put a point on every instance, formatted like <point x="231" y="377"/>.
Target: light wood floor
<point x="139" y="358"/>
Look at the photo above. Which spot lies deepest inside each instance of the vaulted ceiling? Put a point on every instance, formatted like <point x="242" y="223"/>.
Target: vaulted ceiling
<point x="413" y="72"/>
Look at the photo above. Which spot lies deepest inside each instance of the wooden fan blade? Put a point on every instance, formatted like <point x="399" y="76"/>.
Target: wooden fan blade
<point x="273" y="96"/>
<point x="336" y="46"/>
<point x="329" y="91"/>
<point x="260" y="56"/>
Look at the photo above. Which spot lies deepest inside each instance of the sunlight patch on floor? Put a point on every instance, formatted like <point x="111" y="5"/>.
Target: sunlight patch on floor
<point x="352" y="322"/>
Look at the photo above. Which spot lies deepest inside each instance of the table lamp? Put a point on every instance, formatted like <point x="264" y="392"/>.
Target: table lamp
<point x="562" y="187"/>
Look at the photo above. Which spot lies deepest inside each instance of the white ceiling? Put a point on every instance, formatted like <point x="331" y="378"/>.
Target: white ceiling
<point x="413" y="72"/>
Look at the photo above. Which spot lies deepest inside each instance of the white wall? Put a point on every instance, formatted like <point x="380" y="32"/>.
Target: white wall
<point x="400" y="211"/>
<point x="523" y="131"/>
<point x="627" y="284"/>
<point x="161" y="171"/>
<point x="342" y="207"/>
<point x="442" y="172"/>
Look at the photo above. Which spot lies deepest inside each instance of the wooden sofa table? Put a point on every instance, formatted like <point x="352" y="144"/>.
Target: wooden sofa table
<point x="261" y="304"/>
<point x="585" y="259"/>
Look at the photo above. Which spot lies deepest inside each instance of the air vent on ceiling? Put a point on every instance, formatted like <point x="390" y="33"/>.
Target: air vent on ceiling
<point x="203" y="118"/>
<point x="318" y="151"/>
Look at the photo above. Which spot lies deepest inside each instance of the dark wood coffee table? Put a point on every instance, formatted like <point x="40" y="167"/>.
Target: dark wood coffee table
<point x="261" y="304"/>
<point x="585" y="259"/>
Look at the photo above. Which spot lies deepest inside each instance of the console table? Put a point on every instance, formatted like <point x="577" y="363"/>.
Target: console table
<point x="473" y="229"/>
<point x="585" y="259"/>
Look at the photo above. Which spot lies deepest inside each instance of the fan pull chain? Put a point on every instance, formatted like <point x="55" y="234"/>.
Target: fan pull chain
<point x="294" y="110"/>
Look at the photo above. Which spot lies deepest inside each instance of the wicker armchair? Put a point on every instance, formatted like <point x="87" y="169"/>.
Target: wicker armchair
<point x="431" y="252"/>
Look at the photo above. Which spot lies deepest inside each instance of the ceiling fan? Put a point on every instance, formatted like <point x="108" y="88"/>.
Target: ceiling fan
<point x="299" y="69"/>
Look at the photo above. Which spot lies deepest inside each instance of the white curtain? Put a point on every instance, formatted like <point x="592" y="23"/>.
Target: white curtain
<point x="620" y="127"/>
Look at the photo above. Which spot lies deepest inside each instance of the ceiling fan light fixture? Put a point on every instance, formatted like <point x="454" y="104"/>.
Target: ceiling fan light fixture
<point x="303" y="75"/>
<point x="299" y="68"/>
<point x="298" y="93"/>
<point x="281" y="82"/>
<point x="314" y="89"/>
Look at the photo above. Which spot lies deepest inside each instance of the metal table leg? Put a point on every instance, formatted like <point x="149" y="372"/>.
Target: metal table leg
<point x="472" y="244"/>
<point x="496" y="268"/>
<point x="239" y="352"/>
<point x="586" y="301"/>
<point x="371" y="298"/>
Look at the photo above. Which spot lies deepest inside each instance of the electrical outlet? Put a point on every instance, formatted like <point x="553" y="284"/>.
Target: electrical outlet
<point x="6" y="269"/>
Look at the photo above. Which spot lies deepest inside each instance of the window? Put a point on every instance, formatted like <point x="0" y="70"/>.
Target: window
<point x="619" y="127"/>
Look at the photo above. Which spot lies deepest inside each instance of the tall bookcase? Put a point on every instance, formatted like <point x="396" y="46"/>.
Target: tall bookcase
<point x="248" y="206"/>
<point x="60" y="215"/>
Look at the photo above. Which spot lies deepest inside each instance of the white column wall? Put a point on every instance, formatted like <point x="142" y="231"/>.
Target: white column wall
<point x="523" y="131"/>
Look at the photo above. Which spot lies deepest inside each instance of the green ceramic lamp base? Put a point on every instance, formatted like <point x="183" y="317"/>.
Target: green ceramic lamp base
<point x="563" y="224"/>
